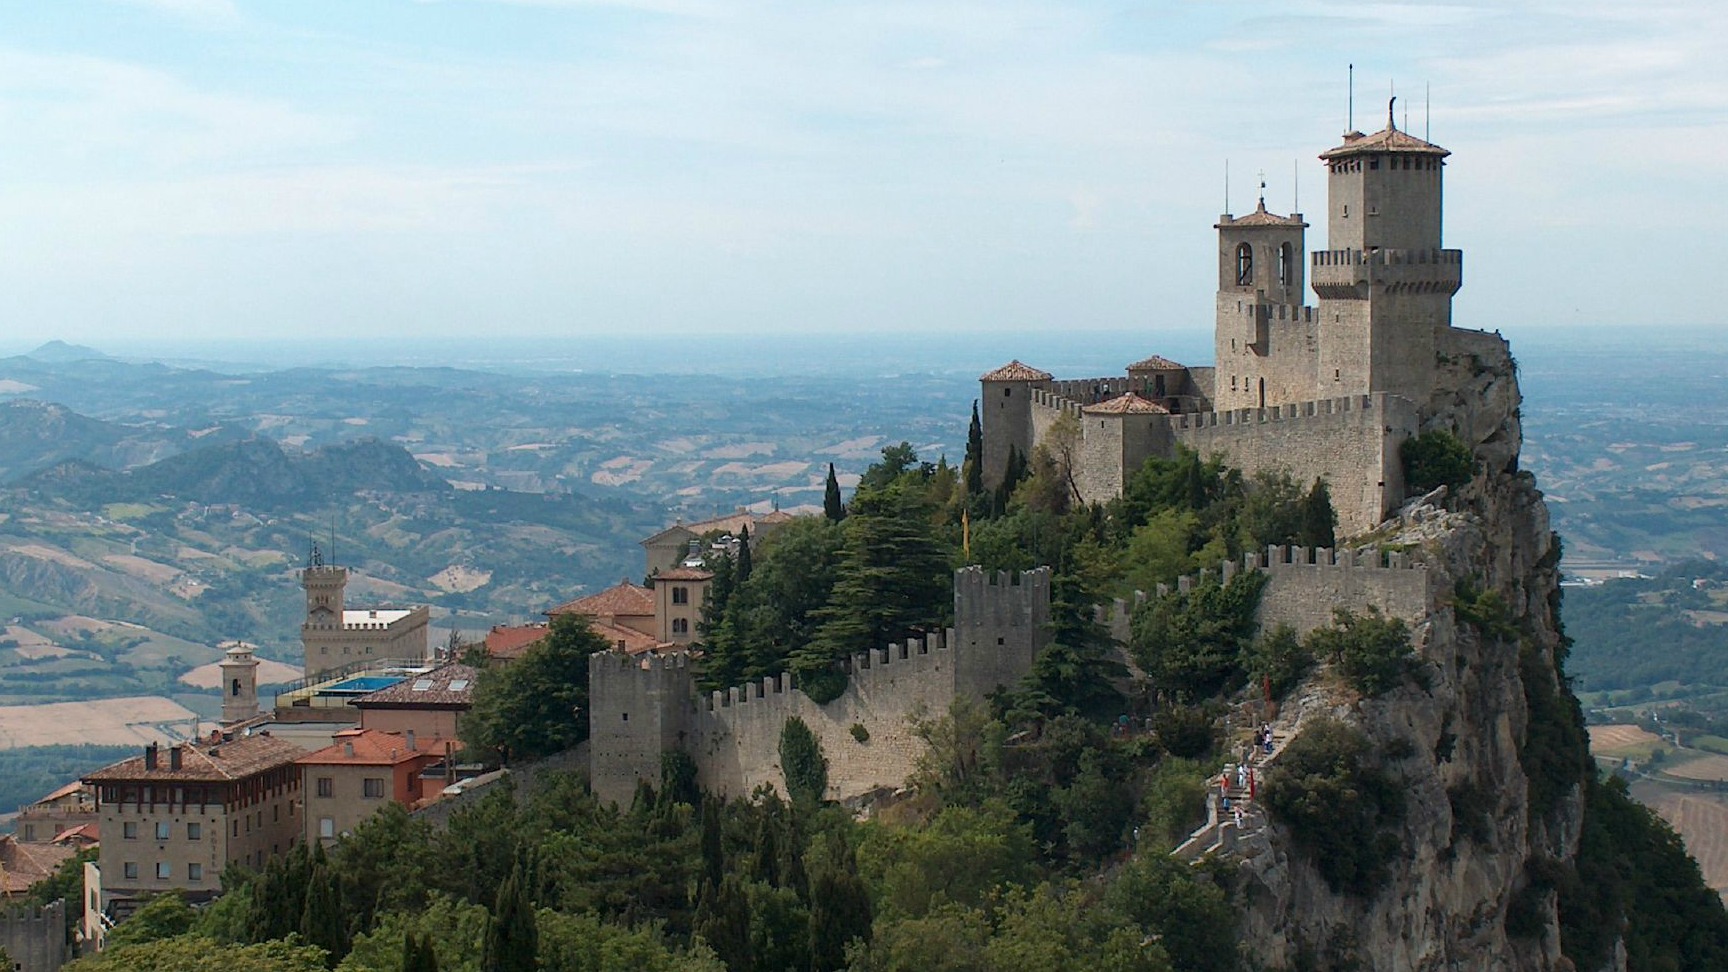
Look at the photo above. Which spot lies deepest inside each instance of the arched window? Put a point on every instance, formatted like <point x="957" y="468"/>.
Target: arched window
<point x="236" y="686"/>
<point x="1244" y="265"/>
<point x="1286" y="265"/>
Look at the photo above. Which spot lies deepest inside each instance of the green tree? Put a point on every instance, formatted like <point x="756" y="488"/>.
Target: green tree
<point x="840" y="912"/>
<point x="418" y="954"/>
<point x="1436" y="458"/>
<point x="1338" y="803"/>
<point x="974" y="461"/>
<point x="537" y="705"/>
<point x="1193" y="643"/>
<point x="1371" y="650"/>
<point x="1318" y="522"/>
<point x="833" y="507"/>
<point x="191" y="953"/>
<point x="802" y="763"/>
<point x="322" y="922"/>
<point x="512" y="941"/>
<point x="163" y="916"/>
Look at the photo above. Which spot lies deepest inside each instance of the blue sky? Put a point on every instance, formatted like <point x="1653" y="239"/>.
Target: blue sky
<point x="385" y="169"/>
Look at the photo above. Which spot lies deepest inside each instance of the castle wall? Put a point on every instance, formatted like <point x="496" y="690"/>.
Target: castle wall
<point x="1001" y="623"/>
<point x="639" y="707"/>
<point x="1283" y="357"/>
<point x="1351" y="443"/>
<point x="736" y="742"/>
<point x="35" y="938"/>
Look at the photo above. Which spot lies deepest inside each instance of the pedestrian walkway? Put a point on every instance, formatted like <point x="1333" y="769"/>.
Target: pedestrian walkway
<point x="1244" y="815"/>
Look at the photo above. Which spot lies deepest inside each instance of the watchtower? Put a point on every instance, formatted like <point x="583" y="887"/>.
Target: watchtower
<point x="1263" y="356"/>
<point x="326" y="590"/>
<point x="239" y="683"/>
<point x="1385" y="284"/>
<point x="640" y="706"/>
<point x="1006" y="416"/>
<point x="1001" y="623"/>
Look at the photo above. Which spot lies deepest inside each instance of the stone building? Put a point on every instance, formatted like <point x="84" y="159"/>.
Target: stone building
<point x="335" y="635"/>
<point x="174" y="817"/>
<point x="1329" y="391"/>
<point x="430" y="703"/>
<point x="679" y="596"/>
<point x="239" y="683"/>
<point x="67" y="808"/>
<point x="349" y="780"/>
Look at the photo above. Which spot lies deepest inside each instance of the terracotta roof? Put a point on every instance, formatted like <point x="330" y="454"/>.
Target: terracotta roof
<point x="1389" y="139"/>
<point x="634" y="642"/>
<point x="1156" y="363"/>
<point x="447" y="687"/>
<point x="1127" y="403"/>
<point x="676" y="531"/>
<point x="683" y="574"/>
<point x="510" y="642"/>
<point x="67" y="790"/>
<point x="91" y="831"/>
<point x="22" y="865"/>
<point x="623" y="599"/>
<point x="374" y="747"/>
<point x="232" y="759"/>
<point x="1015" y="371"/>
<point x="734" y="523"/>
<point x="1260" y="217"/>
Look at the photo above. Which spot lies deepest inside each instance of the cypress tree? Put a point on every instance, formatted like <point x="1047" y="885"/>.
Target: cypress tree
<point x="832" y="506"/>
<point x="713" y="852"/>
<point x="1318" y="519"/>
<point x="723" y="921"/>
<point x="418" y="954"/>
<point x="512" y="939"/>
<point x="839" y="909"/>
<point x="744" y="559"/>
<point x="321" y="919"/>
<point x="975" y="454"/>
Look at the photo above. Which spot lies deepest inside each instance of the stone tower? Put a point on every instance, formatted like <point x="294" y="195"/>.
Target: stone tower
<point x="326" y="588"/>
<point x="1385" y="284"/>
<point x="1001" y="623"/>
<point x="640" y="706"/>
<point x="239" y="684"/>
<point x="1005" y="411"/>
<point x="1264" y="354"/>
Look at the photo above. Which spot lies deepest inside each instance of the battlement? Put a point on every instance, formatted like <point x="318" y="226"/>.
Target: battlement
<point x="999" y="597"/>
<point x="1345" y="273"/>
<point x="1044" y="398"/>
<point x="1091" y="391"/>
<point x="1293" y="313"/>
<point x="1280" y="413"/>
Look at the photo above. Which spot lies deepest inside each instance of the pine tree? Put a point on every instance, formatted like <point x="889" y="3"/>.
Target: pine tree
<point x="512" y="940"/>
<point x="974" y="454"/>
<point x="832" y="506"/>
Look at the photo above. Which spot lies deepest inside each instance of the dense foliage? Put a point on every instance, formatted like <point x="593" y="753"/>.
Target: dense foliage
<point x="1340" y="803"/>
<point x="1436" y="458"/>
<point x="1635" y="632"/>
<point x="537" y="705"/>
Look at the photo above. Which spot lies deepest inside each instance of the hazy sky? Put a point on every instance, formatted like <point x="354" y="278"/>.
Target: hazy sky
<point x="381" y="168"/>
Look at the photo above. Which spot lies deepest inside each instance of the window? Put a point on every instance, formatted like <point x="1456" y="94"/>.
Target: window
<point x="373" y="788"/>
<point x="326" y="786"/>
<point x="236" y="828"/>
<point x="680" y="626"/>
<point x="164" y="870"/>
<point x="129" y="830"/>
<point x="194" y="831"/>
<point x="326" y="827"/>
<point x="236" y="689"/>
<point x="130" y="869"/>
<point x="1286" y="266"/>
<point x="164" y="830"/>
<point x="1244" y="264"/>
<point x="276" y="813"/>
<point x="194" y="872"/>
<point x="680" y="595"/>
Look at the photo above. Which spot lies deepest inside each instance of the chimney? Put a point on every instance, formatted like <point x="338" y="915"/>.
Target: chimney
<point x="150" y="756"/>
<point x="174" y="757"/>
<point x="409" y="735"/>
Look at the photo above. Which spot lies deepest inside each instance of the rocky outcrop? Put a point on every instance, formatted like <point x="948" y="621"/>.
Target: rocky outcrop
<point x="1459" y="745"/>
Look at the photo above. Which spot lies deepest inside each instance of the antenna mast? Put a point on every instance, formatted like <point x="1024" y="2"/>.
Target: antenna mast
<point x="1350" y="123"/>
<point x="1427" y="111"/>
<point x="1226" y="187"/>
<point x="1295" y="187"/>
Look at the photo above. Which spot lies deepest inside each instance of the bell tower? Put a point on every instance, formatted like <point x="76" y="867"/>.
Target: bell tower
<point x="239" y="683"/>
<point x="326" y="587"/>
<point x="1261" y="280"/>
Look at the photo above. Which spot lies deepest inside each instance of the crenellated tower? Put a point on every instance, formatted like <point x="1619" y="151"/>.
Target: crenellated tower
<point x="1264" y="345"/>
<point x="1385" y="282"/>
<point x="1001" y="623"/>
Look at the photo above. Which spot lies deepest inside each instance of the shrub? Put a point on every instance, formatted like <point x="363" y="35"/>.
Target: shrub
<point x="1279" y="657"/>
<point x="1338" y="804"/>
<point x="1184" y="731"/>
<point x="1370" y="650"/>
<point x="1436" y="458"/>
<point x="859" y="732"/>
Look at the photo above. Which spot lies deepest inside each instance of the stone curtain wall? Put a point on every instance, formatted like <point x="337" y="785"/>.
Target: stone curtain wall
<point x="1352" y="443"/>
<point x="35" y="937"/>
<point x="1305" y="584"/>
<point x="736" y="741"/>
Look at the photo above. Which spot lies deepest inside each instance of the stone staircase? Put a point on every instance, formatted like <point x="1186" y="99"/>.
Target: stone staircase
<point x="1221" y="832"/>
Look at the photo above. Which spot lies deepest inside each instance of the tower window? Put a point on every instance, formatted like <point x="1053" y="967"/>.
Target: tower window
<point x="1286" y="265"/>
<point x="1244" y="264"/>
<point x="1007" y="392"/>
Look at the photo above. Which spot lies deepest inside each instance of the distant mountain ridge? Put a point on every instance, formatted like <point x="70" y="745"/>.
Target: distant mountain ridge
<point x="251" y="472"/>
<point x="60" y="352"/>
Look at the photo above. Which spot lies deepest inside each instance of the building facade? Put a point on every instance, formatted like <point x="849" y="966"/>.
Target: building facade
<point x="335" y="635"/>
<point x="364" y="769"/>
<point x="174" y="817"/>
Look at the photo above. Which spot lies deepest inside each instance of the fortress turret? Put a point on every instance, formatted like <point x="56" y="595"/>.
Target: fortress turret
<point x="1001" y="623"/>
<point x="1260" y="333"/>
<point x="640" y="707"/>
<point x="1005" y="411"/>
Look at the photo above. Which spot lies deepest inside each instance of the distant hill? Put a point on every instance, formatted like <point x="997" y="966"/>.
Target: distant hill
<point x="59" y="352"/>
<point x="35" y="435"/>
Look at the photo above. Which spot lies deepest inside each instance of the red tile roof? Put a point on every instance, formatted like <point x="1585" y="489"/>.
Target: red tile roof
<point x="1015" y="371"/>
<point x="22" y="865"/>
<point x="683" y="574"/>
<point x="633" y="642"/>
<point x="1155" y="363"/>
<point x="374" y="747"/>
<point x="1389" y="139"/>
<point x="233" y="759"/>
<point x="91" y="832"/>
<point x="1260" y="217"/>
<point x="510" y="642"/>
<point x="623" y="599"/>
<point x="1127" y="403"/>
<point x="449" y="686"/>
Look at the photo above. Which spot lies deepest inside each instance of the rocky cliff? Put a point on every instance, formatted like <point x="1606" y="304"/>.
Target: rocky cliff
<point x="1484" y="742"/>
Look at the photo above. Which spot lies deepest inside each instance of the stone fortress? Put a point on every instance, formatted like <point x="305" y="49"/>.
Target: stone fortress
<point x="1328" y="392"/>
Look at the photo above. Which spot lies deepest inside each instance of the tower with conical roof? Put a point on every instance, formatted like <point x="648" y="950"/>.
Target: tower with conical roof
<point x="1385" y="282"/>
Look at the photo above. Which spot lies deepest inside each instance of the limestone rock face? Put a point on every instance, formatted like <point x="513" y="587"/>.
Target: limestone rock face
<point x="1445" y="904"/>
